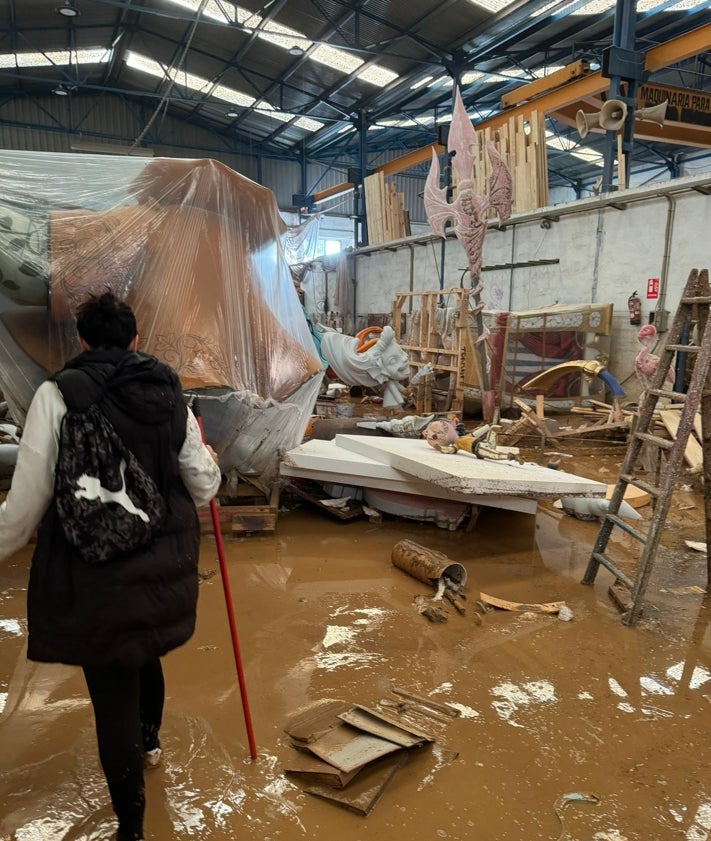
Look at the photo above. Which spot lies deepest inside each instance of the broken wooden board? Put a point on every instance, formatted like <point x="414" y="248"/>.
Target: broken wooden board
<point x="633" y="495"/>
<point x="378" y="724"/>
<point x="466" y="474"/>
<point x="325" y="461"/>
<point x="313" y="721"/>
<point x="693" y="452"/>
<point x="348" y="748"/>
<point x="237" y="516"/>
<point x="504" y="604"/>
<point x="312" y="493"/>
<point x="365" y="791"/>
<point x="313" y="771"/>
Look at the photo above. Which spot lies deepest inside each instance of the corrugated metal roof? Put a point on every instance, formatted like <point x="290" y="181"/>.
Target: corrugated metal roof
<point x="233" y="74"/>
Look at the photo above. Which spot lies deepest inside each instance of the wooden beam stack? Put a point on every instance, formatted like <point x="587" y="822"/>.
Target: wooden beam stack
<point x="522" y="145"/>
<point x="385" y="208"/>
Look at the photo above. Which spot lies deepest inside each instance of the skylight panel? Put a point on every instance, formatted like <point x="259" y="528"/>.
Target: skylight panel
<point x="685" y="5"/>
<point x="492" y="5"/>
<point x="284" y="117"/>
<point x="542" y="72"/>
<point x="471" y="76"/>
<point x="444" y="81"/>
<point x="232" y="96"/>
<point x="379" y="76"/>
<point x="188" y="80"/>
<point x="565" y="144"/>
<point x="512" y="73"/>
<point x="545" y="9"/>
<point x="308" y="124"/>
<point x="59" y="58"/>
<point x="222" y="92"/>
<point x="594" y="7"/>
<point x="337" y="59"/>
<point x="216" y="9"/>
<point x="282" y="36"/>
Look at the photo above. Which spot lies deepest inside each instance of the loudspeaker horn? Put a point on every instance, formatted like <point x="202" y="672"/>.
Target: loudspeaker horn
<point x="613" y="114"/>
<point x="653" y="113"/>
<point x="584" y="122"/>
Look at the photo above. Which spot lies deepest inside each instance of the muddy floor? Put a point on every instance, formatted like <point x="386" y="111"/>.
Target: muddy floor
<point x="581" y="729"/>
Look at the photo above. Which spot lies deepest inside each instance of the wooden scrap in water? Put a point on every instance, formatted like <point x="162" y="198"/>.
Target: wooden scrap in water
<point x="349" y="748"/>
<point x="364" y="792"/>
<point x="435" y="611"/>
<point x="427" y="702"/>
<point x="313" y="721"/>
<point x="315" y="771"/>
<point x="382" y="725"/>
<point x="504" y="604"/>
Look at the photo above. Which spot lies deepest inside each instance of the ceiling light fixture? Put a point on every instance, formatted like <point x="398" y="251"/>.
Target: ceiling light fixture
<point x="67" y="10"/>
<point x="60" y="90"/>
<point x="231" y="114"/>
<point x="295" y="50"/>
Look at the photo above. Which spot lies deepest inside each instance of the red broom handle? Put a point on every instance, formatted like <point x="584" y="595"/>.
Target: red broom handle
<point x="228" y="601"/>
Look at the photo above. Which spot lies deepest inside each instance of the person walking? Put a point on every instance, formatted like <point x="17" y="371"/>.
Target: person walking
<point x="114" y="619"/>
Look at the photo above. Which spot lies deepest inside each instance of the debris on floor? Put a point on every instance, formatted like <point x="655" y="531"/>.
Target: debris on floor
<point x="572" y="797"/>
<point x="434" y="568"/>
<point x="349" y="753"/>
<point x="504" y="604"/>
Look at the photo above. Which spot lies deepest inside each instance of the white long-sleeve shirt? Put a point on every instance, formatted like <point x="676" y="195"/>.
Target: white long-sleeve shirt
<point x="32" y="486"/>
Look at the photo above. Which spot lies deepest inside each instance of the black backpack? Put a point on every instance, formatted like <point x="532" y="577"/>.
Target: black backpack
<point x="107" y="504"/>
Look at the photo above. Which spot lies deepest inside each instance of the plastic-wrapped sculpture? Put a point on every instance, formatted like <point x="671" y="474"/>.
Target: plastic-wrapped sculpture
<point x="468" y="213"/>
<point x="196" y="249"/>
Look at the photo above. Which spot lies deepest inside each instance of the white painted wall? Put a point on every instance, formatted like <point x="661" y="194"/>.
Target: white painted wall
<point x="604" y="255"/>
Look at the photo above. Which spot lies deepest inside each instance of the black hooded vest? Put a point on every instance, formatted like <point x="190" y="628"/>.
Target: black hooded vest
<point x="143" y="604"/>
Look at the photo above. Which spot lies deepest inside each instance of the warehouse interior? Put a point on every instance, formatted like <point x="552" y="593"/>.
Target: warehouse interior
<point x="437" y="272"/>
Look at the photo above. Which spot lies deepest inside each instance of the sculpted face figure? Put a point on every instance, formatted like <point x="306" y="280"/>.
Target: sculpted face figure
<point x="441" y="433"/>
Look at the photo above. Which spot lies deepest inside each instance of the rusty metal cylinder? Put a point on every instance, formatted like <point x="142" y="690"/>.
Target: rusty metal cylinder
<point x="425" y="564"/>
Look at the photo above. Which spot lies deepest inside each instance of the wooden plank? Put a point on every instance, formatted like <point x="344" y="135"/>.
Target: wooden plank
<point x="241" y="517"/>
<point x="693" y="452"/>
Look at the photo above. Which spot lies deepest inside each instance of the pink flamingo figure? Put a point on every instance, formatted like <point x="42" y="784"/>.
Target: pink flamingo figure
<point x="646" y="362"/>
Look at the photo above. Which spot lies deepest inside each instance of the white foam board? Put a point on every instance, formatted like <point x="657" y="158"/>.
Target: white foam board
<point x="464" y="473"/>
<point x="410" y="486"/>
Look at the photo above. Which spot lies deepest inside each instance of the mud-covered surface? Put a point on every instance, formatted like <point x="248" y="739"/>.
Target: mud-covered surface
<point x="548" y="708"/>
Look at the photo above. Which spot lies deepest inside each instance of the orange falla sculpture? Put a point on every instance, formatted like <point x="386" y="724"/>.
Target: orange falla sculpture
<point x="197" y="250"/>
<point x="468" y="214"/>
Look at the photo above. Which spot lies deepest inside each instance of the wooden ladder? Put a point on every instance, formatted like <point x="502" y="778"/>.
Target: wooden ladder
<point x="693" y="308"/>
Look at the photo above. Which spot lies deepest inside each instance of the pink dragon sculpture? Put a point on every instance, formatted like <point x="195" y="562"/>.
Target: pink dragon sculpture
<point x="468" y="214"/>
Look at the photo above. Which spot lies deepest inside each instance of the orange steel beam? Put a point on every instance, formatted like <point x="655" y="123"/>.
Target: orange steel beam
<point x="677" y="49"/>
<point x="683" y="46"/>
<point x="546" y="83"/>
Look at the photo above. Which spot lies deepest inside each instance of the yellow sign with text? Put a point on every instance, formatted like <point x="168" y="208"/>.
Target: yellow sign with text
<point x="683" y="105"/>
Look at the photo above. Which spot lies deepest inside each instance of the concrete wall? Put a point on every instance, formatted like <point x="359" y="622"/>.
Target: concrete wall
<point x="603" y="255"/>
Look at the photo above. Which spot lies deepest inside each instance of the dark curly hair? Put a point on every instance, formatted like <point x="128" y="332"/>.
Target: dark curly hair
<point x="103" y="321"/>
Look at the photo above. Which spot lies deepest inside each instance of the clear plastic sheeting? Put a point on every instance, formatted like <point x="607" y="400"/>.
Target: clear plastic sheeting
<point x="198" y="252"/>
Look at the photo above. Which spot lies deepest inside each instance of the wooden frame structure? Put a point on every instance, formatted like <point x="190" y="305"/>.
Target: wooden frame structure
<point x="426" y="349"/>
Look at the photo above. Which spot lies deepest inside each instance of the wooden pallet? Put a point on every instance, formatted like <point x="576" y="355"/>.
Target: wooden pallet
<point x="247" y="513"/>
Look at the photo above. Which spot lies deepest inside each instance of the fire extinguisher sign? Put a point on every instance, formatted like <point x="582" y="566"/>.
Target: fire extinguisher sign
<point x="653" y="287"/>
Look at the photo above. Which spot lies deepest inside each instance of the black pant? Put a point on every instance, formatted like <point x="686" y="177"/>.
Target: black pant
<point x="128" y="708"/>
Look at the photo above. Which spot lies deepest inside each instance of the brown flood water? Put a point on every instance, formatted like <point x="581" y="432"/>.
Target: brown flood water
<point x="548" y="707"/>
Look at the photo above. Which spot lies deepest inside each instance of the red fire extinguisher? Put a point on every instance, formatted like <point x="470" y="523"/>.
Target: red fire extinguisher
<point x="634" y="305"/>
